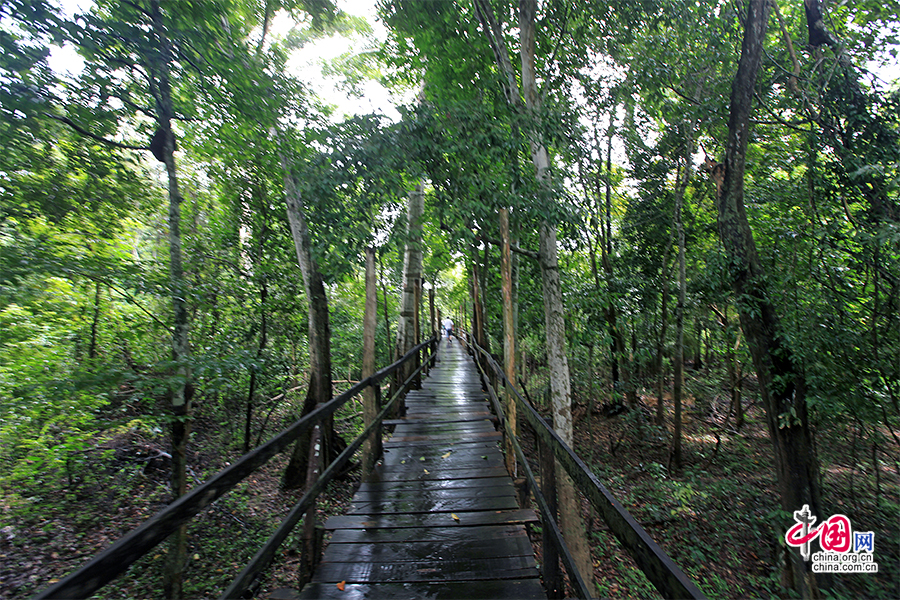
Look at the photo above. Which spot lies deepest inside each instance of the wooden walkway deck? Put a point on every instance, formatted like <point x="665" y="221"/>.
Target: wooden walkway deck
<point x="438" y="518"/>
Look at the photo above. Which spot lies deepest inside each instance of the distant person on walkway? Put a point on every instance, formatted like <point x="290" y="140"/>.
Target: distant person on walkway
<point x="447" y="324"/>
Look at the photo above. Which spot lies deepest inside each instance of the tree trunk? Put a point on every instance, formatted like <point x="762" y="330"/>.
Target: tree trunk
<point x="570" y="513"/>
<point x="372" y="446"/>
<point x="417" y="328"/>
<point x="781" y="381"/>
<point x="95" y="322"/>
<point x="698" y="354"/>
<point x="678" y="384"/>
<point x="263" y="294"/>
<point x="661" y="348"/>
<point x="432" y="314"/>
<point x="621" y="363"/>
<point x="509" y="337"/>
<point x="320" y="387"/>
<point x="387" y="319"/>
<point x="181" y="393"/>
<point x="412" y="273"/>
<point x="477" y="307"/>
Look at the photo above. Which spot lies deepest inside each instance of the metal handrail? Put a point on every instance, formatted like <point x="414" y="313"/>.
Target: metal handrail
<point x="110" y="563"/>
<point x="659" y="569"/>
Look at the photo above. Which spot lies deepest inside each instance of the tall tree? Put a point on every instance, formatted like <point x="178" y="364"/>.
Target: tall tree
<point x="782" y="383"/>
<point x="412" y="276"/>
<point x="554" y="318"/>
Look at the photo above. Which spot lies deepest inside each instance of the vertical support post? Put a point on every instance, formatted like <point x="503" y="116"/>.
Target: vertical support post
<point x="371" y="446"/>
<point x="417" y="333"/>
<point x="550" y="567"/>
<point x="310" y="548"/>
<point x="431" y="312"/>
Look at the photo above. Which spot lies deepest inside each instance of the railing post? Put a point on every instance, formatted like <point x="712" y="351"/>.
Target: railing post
<point x="551" y="572"/>
<point x="371" y="450"/>
<point x="377" y="449"/>
<point x="417" y="302"/>
<point x="309" y="546"/>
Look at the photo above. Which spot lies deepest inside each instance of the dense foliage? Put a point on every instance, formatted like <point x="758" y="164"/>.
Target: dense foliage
<point x="635" y="96"/>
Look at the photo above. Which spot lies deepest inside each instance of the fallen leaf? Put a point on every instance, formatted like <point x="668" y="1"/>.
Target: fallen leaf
<point x="426" y="471"/>
<point x="484" y="456"/>
<point x="455" y="518"/>
<point x="446" y="455"/>
<point x="341" y="585"/>
<point x="402" y="462"/>
<point x="422" y="459"/>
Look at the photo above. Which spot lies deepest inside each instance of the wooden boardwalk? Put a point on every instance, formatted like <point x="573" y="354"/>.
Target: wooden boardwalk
<point x="438" y="518"/>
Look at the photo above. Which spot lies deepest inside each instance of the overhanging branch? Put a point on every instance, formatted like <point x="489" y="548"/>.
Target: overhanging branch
<point x="94" y="136"/>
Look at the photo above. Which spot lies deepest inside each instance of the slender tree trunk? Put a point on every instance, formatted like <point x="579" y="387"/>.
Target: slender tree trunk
<point x="607" y="222"/>
<point x="432" y="314"/>
<point x="571" y="521"/>
<point x="570" y="513"/>
<point x="412" y="273"/>
<point x="372" y="446"/>
<point x="320" y="386"/>
<point x="781" y="381"/>
<point x="387" y="319"/>
<point x="621" y="363"/>
<point x="477" y="306"/>
<point x="590" y="399"/>
<point x="183" y="389"/>
<point x="509" y="336"/>
<point x="417" y="329"/>
<point x="678" y="385"/>
<point x="698" y="355"/>
<point x="95" y="322"/>
<point x="732" y="343"/>
<point x="263" y="294"/>
<point x="661" y="349"/>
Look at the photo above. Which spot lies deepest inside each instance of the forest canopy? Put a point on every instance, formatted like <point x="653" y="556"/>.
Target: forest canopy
<point x="702" y="205"/>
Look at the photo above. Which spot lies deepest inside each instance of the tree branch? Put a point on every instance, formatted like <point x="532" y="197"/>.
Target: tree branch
<point x="792" y="82"/>
<point x="140" y="9"/>
<point x="513" y="247"/>
<point x="93" y="136"/>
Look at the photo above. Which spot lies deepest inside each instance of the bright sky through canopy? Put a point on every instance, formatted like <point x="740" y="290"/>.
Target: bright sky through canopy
<point x="306" y="64"/>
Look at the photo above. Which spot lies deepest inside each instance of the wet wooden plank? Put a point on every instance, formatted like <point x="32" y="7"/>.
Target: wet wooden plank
<point x="449" y="536"/>
<point x="433" y="505"/>
<point x="474" y="548"/>
<point x="464" y="519"/>
<point x="522" y="589"/>
<point x="461" y="569"/>
<point x="426" y="414"/>
<point x="428" y="484"/>
<point x="450" y="444"/>
<point x="436" y="411"/>
<point x="443" y="419"/>
<point x="474" y="450"/>
<point x="447" y="426"/>
<point x="431" y="439"/>
<point x="448" y="494"/>
<point x="482" y="457"/>
<point x="420" y="473"/>
<point x="439" y="432"/>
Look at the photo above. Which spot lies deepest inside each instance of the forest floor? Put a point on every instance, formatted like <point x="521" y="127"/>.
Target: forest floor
<point x="715" y="517"/>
